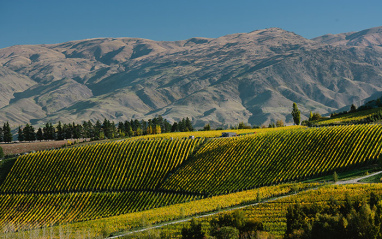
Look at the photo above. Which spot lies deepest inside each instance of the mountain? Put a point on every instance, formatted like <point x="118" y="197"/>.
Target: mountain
<point x="251" y="77"/>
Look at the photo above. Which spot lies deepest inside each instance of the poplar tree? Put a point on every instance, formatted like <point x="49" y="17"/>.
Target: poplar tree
<point x="296" y="114"/>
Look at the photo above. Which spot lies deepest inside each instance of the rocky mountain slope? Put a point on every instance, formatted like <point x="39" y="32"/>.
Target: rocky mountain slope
<point x="252" y="77"/>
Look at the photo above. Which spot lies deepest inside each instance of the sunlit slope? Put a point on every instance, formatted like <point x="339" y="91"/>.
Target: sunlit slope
<point x="218" y="133"/>
<point x="24" y="211"/>
<point x="227" y="165"/>
<point x="124" y="165"/>
<point x="364" y="116"/>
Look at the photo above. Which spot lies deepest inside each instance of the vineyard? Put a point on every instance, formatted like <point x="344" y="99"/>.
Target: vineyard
<point x="228" y="165"/>
<point x="364" y="116"/>
<point x="138" y="218"/>
<point x="217" y="133"/>
<point x="123" y="165"/>
<point x="120" y="184"/>
<point x="24" y="211"/>
<point x="273" y="214"/>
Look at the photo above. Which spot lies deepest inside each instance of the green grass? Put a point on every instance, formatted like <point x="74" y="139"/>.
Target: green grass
<point x="347" y="175"/>
<point x="372" y="179"/>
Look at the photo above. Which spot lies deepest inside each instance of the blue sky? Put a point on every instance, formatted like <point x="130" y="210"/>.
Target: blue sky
<point x="51" y="21"/>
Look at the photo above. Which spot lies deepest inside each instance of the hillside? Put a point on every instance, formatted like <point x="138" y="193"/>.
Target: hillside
<point x="104" y="180"/>
<point x="251" y="77"/>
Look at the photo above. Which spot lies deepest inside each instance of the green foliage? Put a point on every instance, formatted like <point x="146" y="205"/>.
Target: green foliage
<point x="353" y="108"/>
<point x="296" y="114"/>
<point x="1" y="153"/>
<point x="335" y="177"/>
<point x="8" y="137"/>
<point x="236" y="220"/>
<point x="207" y="127"/>
<point x="242" y="125"/>
<point x="228" y="233"/>
<point x="20" y="135"/>
<point x="335" y="220"/>
<point x="194" y="231"/>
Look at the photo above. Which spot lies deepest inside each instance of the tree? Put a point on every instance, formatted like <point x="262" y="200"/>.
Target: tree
<point x="296" y="114"/>
<point x="1" y="153"/>
<point x="194" y="231"/>
<point x="40" y="135"/>
<point x="20" y="135"/>
<point x="335" y="176"/>
<point x="279" y="123"/>
<point x="189" y="126"/>
<point x="175" y="127"/>
<point x="353" y="108"/>
<point x="207" y="127"/>
<point x="228" y="233"/>
<point x="8" y="137"/>
<point x="1" y="135"/>
<point x="60" y="131"/>
<point x="157" y="129"/>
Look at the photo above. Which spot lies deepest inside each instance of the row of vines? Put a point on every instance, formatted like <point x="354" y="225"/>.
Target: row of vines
<point x="26" y="211"/>
<point x="228" y="165"/>
<point x="122" y="165"/>
<point x="30" y="211"/>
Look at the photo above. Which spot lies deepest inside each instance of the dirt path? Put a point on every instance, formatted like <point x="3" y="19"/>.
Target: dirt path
<point x="352" y="181"/>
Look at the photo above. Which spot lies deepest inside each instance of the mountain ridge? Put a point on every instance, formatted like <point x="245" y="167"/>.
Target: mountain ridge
<point x="251" y="77"/>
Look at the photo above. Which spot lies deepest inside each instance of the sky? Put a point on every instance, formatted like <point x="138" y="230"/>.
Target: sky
<point x="53" y="21"/>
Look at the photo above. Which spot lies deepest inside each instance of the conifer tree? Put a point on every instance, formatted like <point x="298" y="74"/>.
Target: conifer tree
<point x="8" y="137"/>
<point x="40" y="135"/>
<point x="189" y="125"/>
<point x="1" y="135"/>
<point x="60" y="132"/>
<point x="20" y="136"/>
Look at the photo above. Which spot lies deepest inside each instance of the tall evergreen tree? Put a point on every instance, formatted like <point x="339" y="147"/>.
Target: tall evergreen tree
<point x="167" y="127"/>
<point x="32" y="133"/>
<point x="20" y="135"/>
<point x="60" y="131"/>
<point x="8" y="137"/>
<point x="189" y="126"/>
<point x="97" y="129"/>
<point x="40" y="134"/>
<point x="175" y="127"/>
<point x="296" y="114"/>
<point x="1" y="135"/>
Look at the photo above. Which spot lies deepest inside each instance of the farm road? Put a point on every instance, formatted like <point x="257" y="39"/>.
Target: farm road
<point x="352" y="181"/>
<point x="356" y="180"/>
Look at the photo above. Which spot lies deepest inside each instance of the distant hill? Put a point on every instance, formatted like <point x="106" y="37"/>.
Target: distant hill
<point x="251" y="77"/>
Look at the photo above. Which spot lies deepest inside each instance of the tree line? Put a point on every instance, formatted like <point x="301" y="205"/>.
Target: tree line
<point x="98" y="130"/>
<point x="359" y="219"/>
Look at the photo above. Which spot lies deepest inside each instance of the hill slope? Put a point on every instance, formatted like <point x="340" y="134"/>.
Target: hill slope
<point x="252" y="77"/>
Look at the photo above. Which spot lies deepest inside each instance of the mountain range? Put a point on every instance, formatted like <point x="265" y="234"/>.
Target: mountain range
<point x="246" y="77"/>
